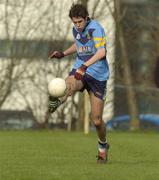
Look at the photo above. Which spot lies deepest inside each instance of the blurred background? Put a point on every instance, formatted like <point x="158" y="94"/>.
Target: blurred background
<point x="30" y="29"/>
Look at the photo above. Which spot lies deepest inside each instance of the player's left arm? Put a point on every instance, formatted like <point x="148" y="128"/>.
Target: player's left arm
<point x="99" y="39"/>
<point x="98" y="55"/>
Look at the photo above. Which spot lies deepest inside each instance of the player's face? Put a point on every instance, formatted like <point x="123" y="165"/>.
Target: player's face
<point x="79" y="23"/>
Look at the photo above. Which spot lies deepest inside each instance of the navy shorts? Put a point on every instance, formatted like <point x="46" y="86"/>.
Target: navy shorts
<point x="91" y="84"/>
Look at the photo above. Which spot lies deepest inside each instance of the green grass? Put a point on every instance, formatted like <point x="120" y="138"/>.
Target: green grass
<point x="59" y="155"/>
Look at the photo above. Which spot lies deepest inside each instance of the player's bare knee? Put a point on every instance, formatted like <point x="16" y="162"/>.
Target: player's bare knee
<point x="69" y="90"/>
<point x="97" y="121"/>
<point x="70" y="86"/>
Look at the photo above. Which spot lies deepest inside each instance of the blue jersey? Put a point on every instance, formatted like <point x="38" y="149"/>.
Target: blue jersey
<point x="88" y="42"/>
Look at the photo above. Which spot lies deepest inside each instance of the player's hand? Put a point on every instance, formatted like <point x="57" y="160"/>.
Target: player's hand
<point x="56" y="54"/>
<point x="80" y="72"/>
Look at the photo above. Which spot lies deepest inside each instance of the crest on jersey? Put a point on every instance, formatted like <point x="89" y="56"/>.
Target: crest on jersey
<point x="88" y="36"/>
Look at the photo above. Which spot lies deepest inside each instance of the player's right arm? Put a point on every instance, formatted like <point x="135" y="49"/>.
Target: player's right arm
<point x="58" y="54"/>
<point x="72" y="49"/>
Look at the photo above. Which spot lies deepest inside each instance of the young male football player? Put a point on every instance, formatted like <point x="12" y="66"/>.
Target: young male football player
<point x="90" y="70"/>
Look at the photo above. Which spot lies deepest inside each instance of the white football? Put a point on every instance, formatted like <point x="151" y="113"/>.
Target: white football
<point x="57" y="87"/>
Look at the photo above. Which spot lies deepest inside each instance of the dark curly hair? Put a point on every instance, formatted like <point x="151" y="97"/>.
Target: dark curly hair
<point x="78" y="10"/>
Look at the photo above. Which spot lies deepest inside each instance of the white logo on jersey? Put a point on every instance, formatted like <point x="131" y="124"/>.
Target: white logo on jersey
<point x="78" y="36"/>
<point x="84" y="49"/>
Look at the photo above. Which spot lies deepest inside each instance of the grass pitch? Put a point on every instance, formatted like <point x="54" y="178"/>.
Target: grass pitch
<point x="59" y="155"/>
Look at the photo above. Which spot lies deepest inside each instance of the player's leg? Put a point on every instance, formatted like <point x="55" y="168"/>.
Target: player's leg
<point x="97" y="106"/>
<point x="72" y="86"/>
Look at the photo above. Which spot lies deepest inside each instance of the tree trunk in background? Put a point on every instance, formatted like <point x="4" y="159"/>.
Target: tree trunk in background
<point x="84" y="2"/>
<point x="83" y="120"/>
<point x="127" y="78"/>
<point x="79" y="124"/>
<point x="86" y="113"/>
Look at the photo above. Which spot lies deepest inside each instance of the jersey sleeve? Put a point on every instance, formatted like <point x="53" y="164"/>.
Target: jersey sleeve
<point x="99" y="38"/>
